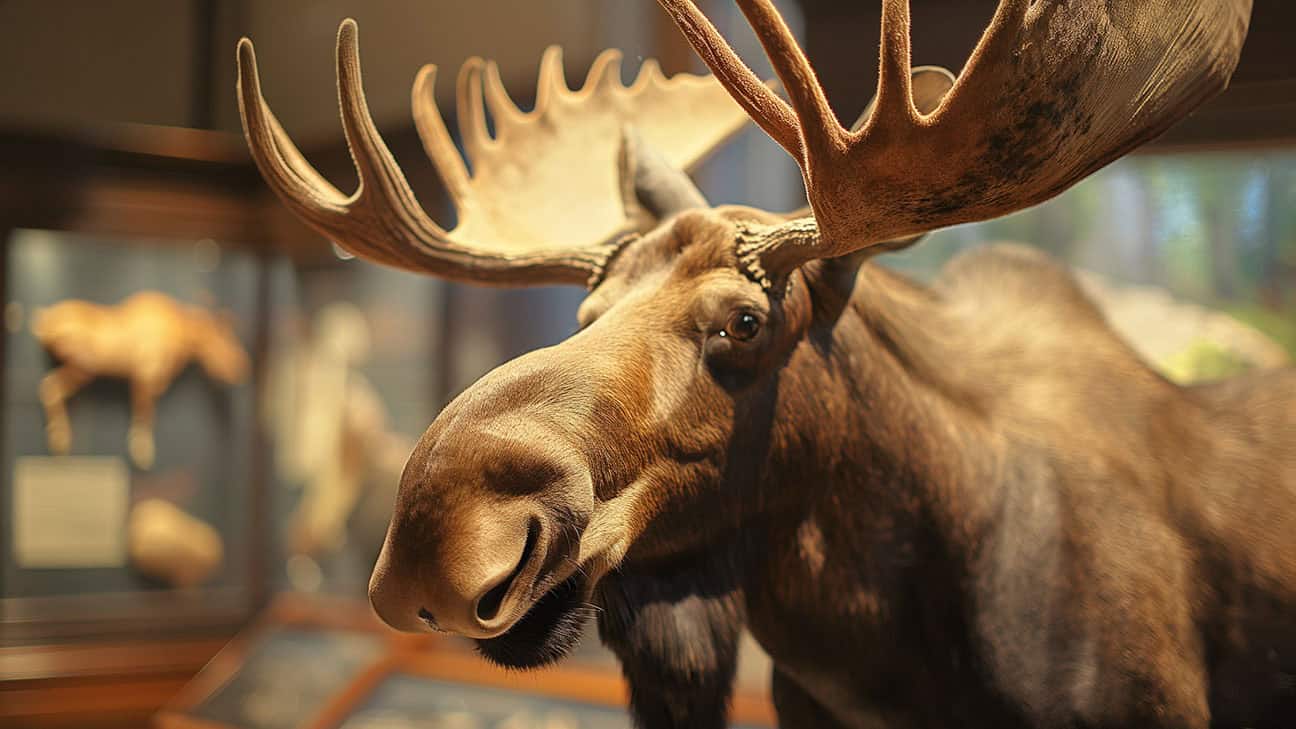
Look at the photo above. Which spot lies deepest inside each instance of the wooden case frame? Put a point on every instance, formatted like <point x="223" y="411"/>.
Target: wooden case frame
<point x="427" y="656"/>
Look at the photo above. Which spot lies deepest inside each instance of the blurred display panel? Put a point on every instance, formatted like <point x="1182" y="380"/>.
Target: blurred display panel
<point x="299" y="659"/>
<point x="177" y="489"/>
<point x="354" y="378"/>
<point x="288" y="676"/>
<point x="403" y="701"/>
<point x="446" y="688"/>
<point x="486" y="327"/>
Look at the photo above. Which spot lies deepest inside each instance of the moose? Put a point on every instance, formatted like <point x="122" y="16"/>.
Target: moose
<point x="964" y="504"/>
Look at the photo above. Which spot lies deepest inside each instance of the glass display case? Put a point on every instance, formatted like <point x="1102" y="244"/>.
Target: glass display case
<point x="355" y="375"/>
<point x="133" y="498"/>
<point x="127" y="431"/>
<point x="135" y="310"/>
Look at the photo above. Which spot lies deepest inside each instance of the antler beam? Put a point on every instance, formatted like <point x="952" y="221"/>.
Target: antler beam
<point x="1054" y="90"/>
<point x="382" y="221"/>
<point x="548" y="196"/>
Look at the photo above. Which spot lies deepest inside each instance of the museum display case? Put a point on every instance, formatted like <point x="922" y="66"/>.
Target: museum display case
<point x="134" y="520"/>
<point x="181" y="481"/>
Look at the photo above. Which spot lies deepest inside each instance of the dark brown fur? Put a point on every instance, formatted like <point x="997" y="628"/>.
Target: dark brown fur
<point x="963" y="505"/>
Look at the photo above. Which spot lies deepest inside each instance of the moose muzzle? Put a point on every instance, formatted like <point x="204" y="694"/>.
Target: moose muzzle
<point x="492" y="506"/>
<point x="471" y="581"/>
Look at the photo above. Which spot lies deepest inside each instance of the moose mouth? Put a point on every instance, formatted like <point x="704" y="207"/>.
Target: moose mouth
<point x="547" y="633"/>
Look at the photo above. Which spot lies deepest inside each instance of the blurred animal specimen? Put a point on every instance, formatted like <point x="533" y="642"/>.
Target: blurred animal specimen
<point x="969" y="504"/>
<point x="147" y="339"/>
<point x="170" y="545"/>
<point x="331" y="429"/>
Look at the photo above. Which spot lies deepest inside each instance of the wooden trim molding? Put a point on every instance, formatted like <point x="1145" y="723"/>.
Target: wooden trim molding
<point x="88" y="660"/>
<point x="96" y="684"/>
<point x="147" y="181"/>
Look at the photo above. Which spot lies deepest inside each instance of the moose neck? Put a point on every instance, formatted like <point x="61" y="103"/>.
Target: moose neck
<point x="879" y="406"/>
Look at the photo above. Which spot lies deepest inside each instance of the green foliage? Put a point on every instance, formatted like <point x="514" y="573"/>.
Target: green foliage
<point x="1280" y="326"/>
<point x="1203" y="360"/>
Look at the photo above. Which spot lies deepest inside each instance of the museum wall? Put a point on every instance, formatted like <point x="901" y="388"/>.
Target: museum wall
<point x="160" y="61"/>
<point x="77" y="63"/>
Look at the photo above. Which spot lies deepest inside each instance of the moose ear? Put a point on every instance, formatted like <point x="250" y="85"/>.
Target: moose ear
<point x="652" y="184"/>
<point x="929" y="83"/>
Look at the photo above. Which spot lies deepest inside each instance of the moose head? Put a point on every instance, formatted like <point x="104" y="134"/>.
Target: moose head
<point x="709" y="359"/>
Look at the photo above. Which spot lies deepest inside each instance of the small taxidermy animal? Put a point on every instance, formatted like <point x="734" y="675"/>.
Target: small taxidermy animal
<point x="147" y="339"/>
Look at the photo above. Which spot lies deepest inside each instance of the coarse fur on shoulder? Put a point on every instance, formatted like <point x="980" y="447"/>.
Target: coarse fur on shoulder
<point x="1013" y="290"/>
<point x="1018" y="325"/>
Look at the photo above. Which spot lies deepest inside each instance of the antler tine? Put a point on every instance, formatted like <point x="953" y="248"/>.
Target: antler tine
<point x="551" y="81"/>
<point x="383" y="193"/>
<point x="437" y="144"/>
<point x="472" y="113"/>
<point x="604" y="73"/>
<point x="380" y="177"/>
<point x="649" y="73"/>
<point x="761" y="104"/>
<point x="502" y="109"/>
<point x="894" y="93"/>
<point x="817" y="122"/>
<point x="995" y="47"/>
<point x="278" y="158"/>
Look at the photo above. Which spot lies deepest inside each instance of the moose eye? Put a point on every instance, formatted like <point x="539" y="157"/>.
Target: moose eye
<point x="742" y="326"/>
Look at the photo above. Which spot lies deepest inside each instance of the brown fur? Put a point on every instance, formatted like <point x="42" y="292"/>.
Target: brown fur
<point x="969" y="504"/>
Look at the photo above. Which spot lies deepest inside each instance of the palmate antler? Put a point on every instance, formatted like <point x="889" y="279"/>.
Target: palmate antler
<point x="548" y="196"/>
<point x="1054" y="90"/>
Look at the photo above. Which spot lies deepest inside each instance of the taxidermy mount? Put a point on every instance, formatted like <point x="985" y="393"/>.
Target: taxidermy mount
<point x="147" y="339"/>
<point x="964" y="504"/>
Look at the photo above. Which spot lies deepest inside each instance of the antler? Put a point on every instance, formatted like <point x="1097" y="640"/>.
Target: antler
<point x="1054" y="90"/>
<point x="549" y="195"/>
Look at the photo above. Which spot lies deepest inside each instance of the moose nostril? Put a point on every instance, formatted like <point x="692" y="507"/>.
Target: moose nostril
<point x="489" y="605"/>
<point x="427" y="617"/>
